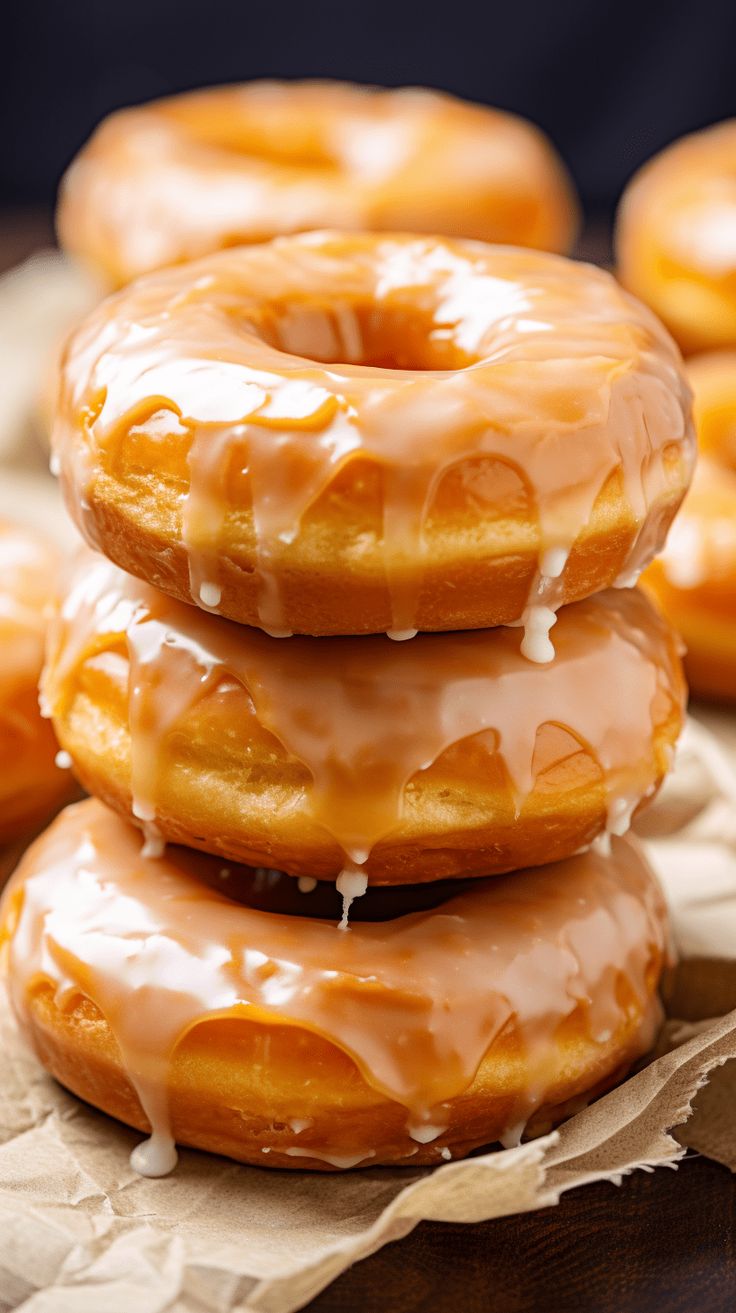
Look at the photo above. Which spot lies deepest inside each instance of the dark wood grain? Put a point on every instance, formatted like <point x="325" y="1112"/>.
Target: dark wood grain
<point x="659" y="1243"/>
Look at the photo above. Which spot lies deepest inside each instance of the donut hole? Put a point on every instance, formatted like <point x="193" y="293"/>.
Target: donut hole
<point x="374" y="335"/>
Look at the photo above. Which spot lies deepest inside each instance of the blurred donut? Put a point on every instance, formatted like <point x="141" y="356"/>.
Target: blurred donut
<point x="694" y="580"/>
<point x="32" y="785"/>
<point x="676" y="237"/>
<point x="170" y="181"/>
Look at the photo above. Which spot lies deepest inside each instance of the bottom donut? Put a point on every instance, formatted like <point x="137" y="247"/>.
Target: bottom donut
<point x="223" y="1008"/>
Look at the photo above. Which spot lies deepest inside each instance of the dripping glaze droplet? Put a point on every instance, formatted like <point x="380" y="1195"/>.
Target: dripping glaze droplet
<point x="63" y="760"/>
<point x="210" y="594"/>
<point x="351" y="883"/>
<point x="154" y="844"/>
<point x="553" y="562"/>
<point x="401" y="635"/>
<point x="620" y="813"/>
<point x="536" y="645"/>
<point x="306" y="884"/>
<point x="156" y="1156"/>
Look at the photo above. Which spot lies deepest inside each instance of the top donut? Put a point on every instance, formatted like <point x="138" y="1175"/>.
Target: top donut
<point x="333" y="434"/>
<point x="182" y="177"/>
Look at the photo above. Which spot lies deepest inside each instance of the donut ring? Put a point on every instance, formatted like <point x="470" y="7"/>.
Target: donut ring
<point x="514" y="434"/>
<point x="694" y="581"/>
<point x="279" y="1040"/>
<point x="674" y="237"/>
<point x="446" y="756"/>
<point x="272" y="158"/>
<point x="31" y="783"/>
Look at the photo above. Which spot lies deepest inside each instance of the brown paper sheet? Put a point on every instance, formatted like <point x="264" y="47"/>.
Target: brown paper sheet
<point x="81" y="1233"/>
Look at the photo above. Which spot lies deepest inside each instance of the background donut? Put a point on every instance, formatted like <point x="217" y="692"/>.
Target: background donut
<point x="179" y="178"/>
<point x="32" y="785"/>
<point x="694" y="580"/>
<point x="674" y="237"/>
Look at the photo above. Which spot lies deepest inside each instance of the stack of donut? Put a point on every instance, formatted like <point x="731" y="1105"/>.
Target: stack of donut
<point x="677" y="251"/>
<point x="363" y="692"/>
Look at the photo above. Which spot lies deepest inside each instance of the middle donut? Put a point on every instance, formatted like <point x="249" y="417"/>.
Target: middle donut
<point x="333" y="434"/>
<point x="358" y="757"/>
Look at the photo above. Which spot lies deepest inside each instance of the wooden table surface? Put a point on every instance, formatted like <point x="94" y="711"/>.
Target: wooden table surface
<point x="660" y="1243"/>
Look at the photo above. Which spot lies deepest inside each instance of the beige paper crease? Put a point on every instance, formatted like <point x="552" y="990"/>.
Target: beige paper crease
<point x="81" y="1233"/>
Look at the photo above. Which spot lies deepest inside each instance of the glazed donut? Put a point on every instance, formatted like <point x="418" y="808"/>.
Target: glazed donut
<point x="513" y="433"/>
<point x="32" y="785"/>
<point x="675" y="237"/>
<point x="694" y="580"/>
<point x="180" y="178"/>
<point x="234" y="1024"/>
<point x="397" y="763"/>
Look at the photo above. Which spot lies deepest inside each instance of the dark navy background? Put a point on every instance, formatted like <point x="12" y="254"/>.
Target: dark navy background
<point x="610" y="82"/>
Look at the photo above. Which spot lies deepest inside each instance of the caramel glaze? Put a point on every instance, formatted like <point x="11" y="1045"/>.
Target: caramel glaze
<point x="676" y="237"/>
<point x="353" y="434"/>
<point x="328" y="743"/>
<point x="31" y="784"/>
<point x="179" y="178"/>
<point x="420" y="1002"/>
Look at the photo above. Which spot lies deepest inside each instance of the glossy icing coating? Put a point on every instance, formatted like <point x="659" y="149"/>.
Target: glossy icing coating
<point x="225" y="404"/>
<point x="179" y="178"/>
<point x="366" y="717"/>
<point x="417" y="1002"/>
<point x="676" y="237"/>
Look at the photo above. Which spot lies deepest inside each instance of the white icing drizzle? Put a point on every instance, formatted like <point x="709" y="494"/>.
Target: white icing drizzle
<point x="342" y="1161"/>
<point x="209" y="595"/>
<point x="536" y="645"/>
<point x="154" y="844"/>
<point x="602" y="844"/>
<point x="351" y="883"/>
<point x="155" y="1156"/>
<point x="426" y="1132"/>
<point x="512" y="1137"/>
<point x="553" y="561"/>
<point x="620" y="813"/>
<point x="63" y="760"/>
